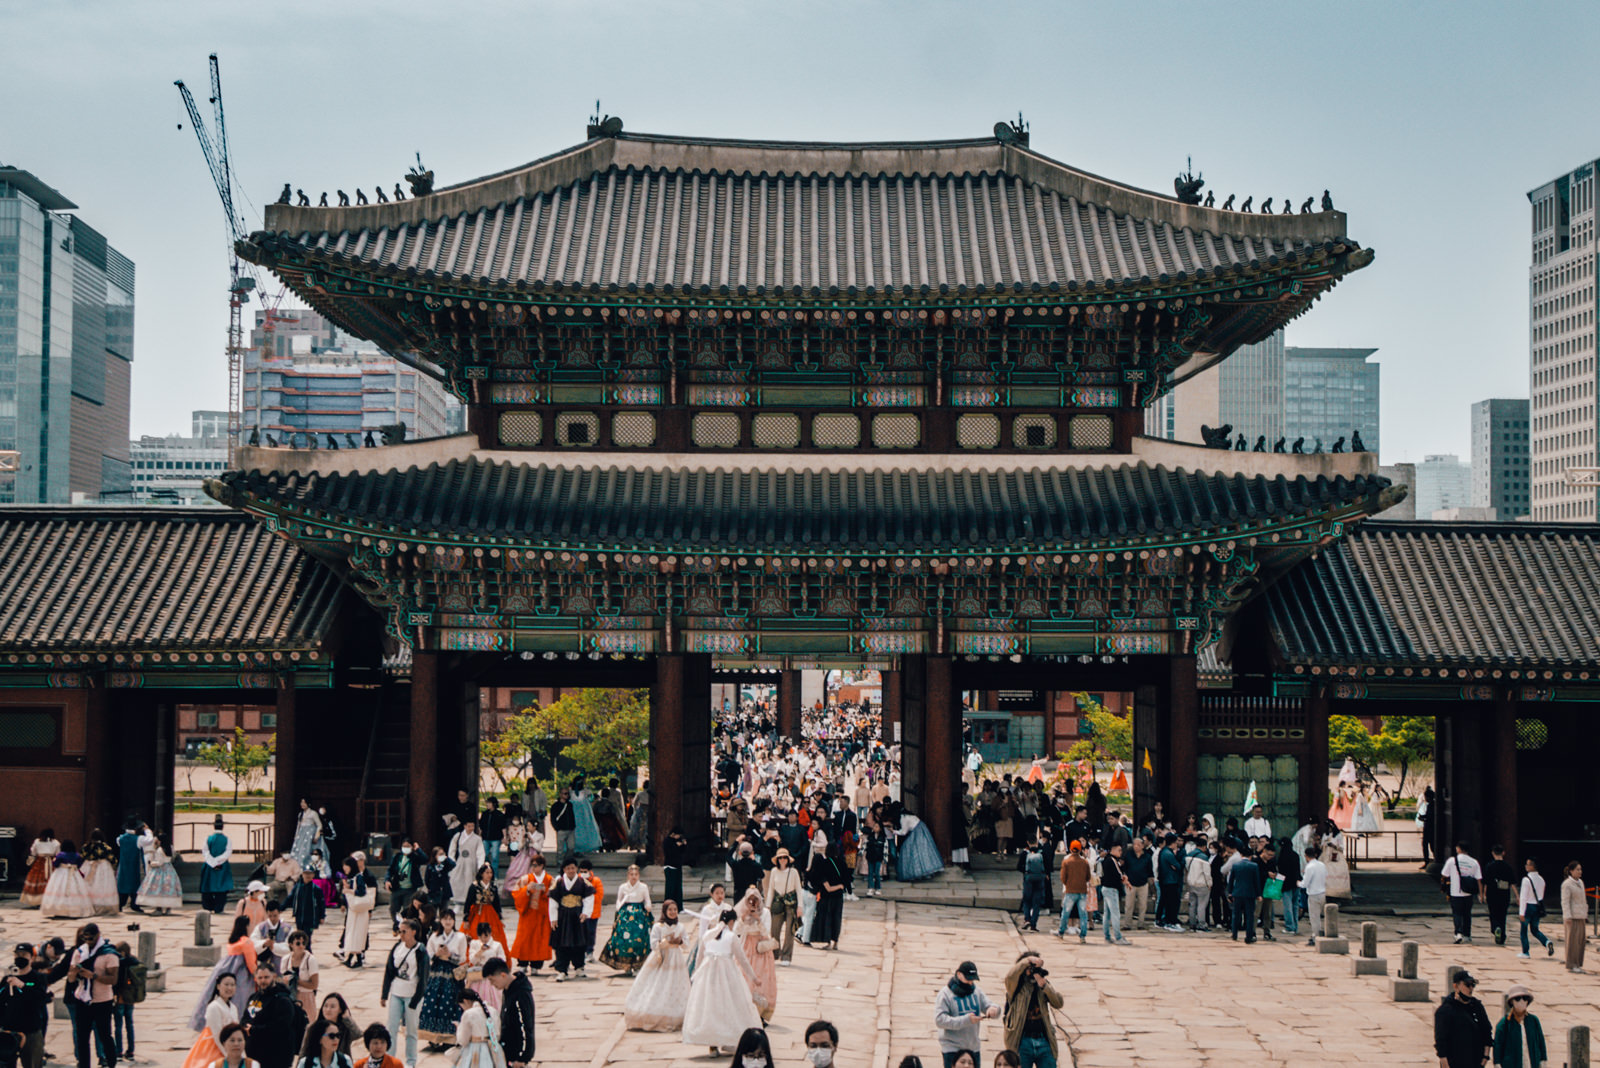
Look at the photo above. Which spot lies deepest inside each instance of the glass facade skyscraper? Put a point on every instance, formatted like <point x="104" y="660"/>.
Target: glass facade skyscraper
<point x="66" y="348"/>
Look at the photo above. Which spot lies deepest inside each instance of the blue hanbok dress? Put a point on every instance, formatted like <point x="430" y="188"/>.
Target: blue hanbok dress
<point x="919" y="853"/>
<point x="585" y="829"/>
<point x="217" y="879"/>
<point x="130" y="862"/>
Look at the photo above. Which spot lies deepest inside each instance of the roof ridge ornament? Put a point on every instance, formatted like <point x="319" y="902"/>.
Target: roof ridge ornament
<point x="419" y="178"/>
<point x="602" y="125"/>
<point x="1188" y="184"/>
<point x="1012" y="133"/>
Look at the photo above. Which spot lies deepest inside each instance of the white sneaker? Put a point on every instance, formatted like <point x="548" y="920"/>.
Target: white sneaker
<point x="1522" y="956"/>
<point x="1458" y="940"/>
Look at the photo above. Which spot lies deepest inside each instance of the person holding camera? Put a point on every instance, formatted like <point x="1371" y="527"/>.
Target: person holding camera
<point x="1029" y="998"/>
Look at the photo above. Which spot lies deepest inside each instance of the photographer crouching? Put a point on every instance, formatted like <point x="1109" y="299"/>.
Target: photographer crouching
<point x="1029" y="998"/>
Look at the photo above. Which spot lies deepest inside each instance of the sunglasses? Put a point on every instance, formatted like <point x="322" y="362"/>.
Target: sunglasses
<point x="1517" y="999"/>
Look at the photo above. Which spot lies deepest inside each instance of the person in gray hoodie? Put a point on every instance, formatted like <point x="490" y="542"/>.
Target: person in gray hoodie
<point x="958" y="1011"/>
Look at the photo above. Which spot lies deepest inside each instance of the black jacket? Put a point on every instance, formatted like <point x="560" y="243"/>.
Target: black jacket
<point x="26" y="1010"/>
<point x="390" y="974"/>
<point x="562" y="818"/>
<point x="492" y="825"/>
<point x="516" y="1020"/>
<point x="747" y="872"/>
<point x="305" y="901"/>
<point x="272" y="1031"/>
<point x="1461" y="1032"/>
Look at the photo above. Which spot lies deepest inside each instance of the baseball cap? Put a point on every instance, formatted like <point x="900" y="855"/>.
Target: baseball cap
<point x="968" y="971"/>
<point x="1464" y="976"/>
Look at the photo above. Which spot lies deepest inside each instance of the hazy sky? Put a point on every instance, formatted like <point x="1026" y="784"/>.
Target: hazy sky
<point x="1429" y="122"/>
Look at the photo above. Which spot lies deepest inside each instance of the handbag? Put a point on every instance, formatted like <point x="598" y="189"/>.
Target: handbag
<point x="1273" y="891"/>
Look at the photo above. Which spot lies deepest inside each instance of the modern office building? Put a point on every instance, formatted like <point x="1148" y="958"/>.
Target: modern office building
<point x="1562" y="349"/>
<point x="170" y="469"/>
<point x="304" y="377"/>
<point x="1443" y="482"/>
<point x="66" y="348"/>
<point x="1500" y="457"/>
<point x="1275" y="391"/>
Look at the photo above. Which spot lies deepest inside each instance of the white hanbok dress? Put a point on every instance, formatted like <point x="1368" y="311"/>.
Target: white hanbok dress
<point x="478" y="1040"/>
<point x="660" y="995"/>
<point x="468" y="853"/>
<point x="1333" y="856"/>
<point x="720" y="1008"/>
<point x="1366" y="821"/>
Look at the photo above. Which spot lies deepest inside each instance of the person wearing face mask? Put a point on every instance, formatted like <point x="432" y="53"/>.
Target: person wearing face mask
<point x="752" y="1051"/>
<point x="822" y="1040"/>
<point x="403" y="879"/>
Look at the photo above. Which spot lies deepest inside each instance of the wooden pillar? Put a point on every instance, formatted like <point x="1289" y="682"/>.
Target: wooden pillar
<point x="680" y="748"/>
<point x="1503" y="824"/>
<point x="1149" y="733"/>
<point x="423" y="772"/>
<point x="470" y="726"/>
<point x="286" y="771"/>
<point x="1183" y="720"/>
<point x="98" y="762"/>
<point x="941" y="752"/>
<point x="890" y="715"/>
<point x="1314" y="776"/>
<point x="789" y="705"/>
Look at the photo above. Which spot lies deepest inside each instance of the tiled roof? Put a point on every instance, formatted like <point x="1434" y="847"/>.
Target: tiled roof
<point x="130" y="579"/>
<point x="647" y="213"/>
<point x="902" y="510"/>
<point x="1432" y="593"/>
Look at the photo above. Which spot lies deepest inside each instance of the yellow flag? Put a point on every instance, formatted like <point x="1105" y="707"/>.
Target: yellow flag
<point x="1149" y="769"/>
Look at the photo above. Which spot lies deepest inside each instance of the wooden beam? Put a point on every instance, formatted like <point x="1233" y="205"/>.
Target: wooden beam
<point x="1183" y="724"/>
<point x="941" y="753"/>
<point x="1314" y="776"/>
<point x="1505" y="828"/>
<point x="789" y="705"/>
<point x="286" y="789"/>
<point x="423" y="772"/>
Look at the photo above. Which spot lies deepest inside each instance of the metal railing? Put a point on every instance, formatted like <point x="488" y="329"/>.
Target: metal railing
<point x="1361" y="843"/>
<point x="190" y="837"/>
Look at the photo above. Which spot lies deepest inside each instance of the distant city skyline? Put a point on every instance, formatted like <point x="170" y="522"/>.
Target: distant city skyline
<point x="1445" y="300"/>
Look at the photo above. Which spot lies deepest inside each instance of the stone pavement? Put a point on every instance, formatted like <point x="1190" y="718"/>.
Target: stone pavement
<point x="1171" y="1000"/>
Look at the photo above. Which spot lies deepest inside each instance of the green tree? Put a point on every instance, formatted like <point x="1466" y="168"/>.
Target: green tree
<point x="238" y="759"/>
<point x="1110" y="736"/>
<point x="596" y="731"/>
<point x="1402" y="743"/>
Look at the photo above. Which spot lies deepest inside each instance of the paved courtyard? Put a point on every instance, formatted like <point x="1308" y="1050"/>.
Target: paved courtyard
<point x="1167" y="1000"/>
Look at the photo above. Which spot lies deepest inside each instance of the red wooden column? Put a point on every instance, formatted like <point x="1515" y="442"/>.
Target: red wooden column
<point x="680" y="747"/>
<point x="99" y="762"/>
<point x="789" y="705"/>
<point x="286" y="790"/>
<point x="424" y="765"/>
<point x="1504" y="826"/>
<point x="941" y="752"/>
<point x="892" y="713"/>
<point x="1183" y="748"/>
<point x="1314" y="776"/>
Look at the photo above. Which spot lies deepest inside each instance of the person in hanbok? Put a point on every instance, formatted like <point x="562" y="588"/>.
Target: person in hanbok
<point x="709" y="916"/>
<point x="521" y="855"/>
<point x="218" y="1012"/>
<point x="441" y="1006"/>
<point x="238" y="962"/>
<point x="919" y="854"/>
<point x="482" y="906"/>
<point x="608" y="817"/>
<point x="1366" y="821"/>
<point x="41" y="859"/>
<point x="162" y="890"/>
<point x="639" y="822"/>
<point x="307" y="833"/>
<point x="1342" y="813"/>
<point x="569" y="908"/>
<point x="531" y="900"/>
<point x="477" y="1034"/>
<point x="467" y="851"/>
<point x="253" y="906"/>
<point x="480" y="951"/>
<point x="1119" y="778"/>
<point x="721" y="1006"/>
<point x="754" y="927"/>
<point x="99" y="871"/>
<point x="66" y="895"/>
<point x="660" y="994"/>
<point x="131" y="854"/>
<point x="585" y="830"/>
<point x="1348" y="775"/>
<point x="216" y="876"/>
<point x="629" y="943"/>
<point x="1336" y="861"/>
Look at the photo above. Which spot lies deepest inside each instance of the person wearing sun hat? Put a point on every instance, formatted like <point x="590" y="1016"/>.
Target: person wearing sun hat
<point x="783" y="899"/>
<point x="1462" y="1037"/>
<point x="1518" y="1037"/>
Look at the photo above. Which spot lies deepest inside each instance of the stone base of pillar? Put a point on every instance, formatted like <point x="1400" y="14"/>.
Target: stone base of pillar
<point x="1369" y="966"/>
<point x="1409" y="990"/>
<point x="201" y="956"/>
<point x="1337" y="946"/>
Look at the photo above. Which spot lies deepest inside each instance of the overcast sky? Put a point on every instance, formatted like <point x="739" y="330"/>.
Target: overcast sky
<point x="1428" y="121"/>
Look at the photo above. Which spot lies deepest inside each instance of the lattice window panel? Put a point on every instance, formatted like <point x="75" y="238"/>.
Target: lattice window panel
<point x="897" y="431"/>
<point x="577" y="428"/>
<point x="1089" y="432"/>
<point x="978" y="431"/>
<point x="27" y="730"/>
<point x="1033" y="431"/>
<point x="836" y="431"/>
<point x="715" y="430"/>
<point x="775" y="431"/>
<point x="1532" y="734"/>
<point x="521" y="428"/>
<point x="633" y="429"/>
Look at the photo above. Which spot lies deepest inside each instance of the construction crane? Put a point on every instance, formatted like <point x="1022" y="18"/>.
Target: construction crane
<point x="244" y="277"/>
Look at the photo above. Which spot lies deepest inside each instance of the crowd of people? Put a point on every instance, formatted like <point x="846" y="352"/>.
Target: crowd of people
<point x="805" y="825"/>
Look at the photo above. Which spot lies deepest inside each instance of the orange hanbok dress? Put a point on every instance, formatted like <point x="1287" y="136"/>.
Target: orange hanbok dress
<point x="1119" y="778"/>
<point x="532" y="901"/>
<point x="483" y="906"/>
